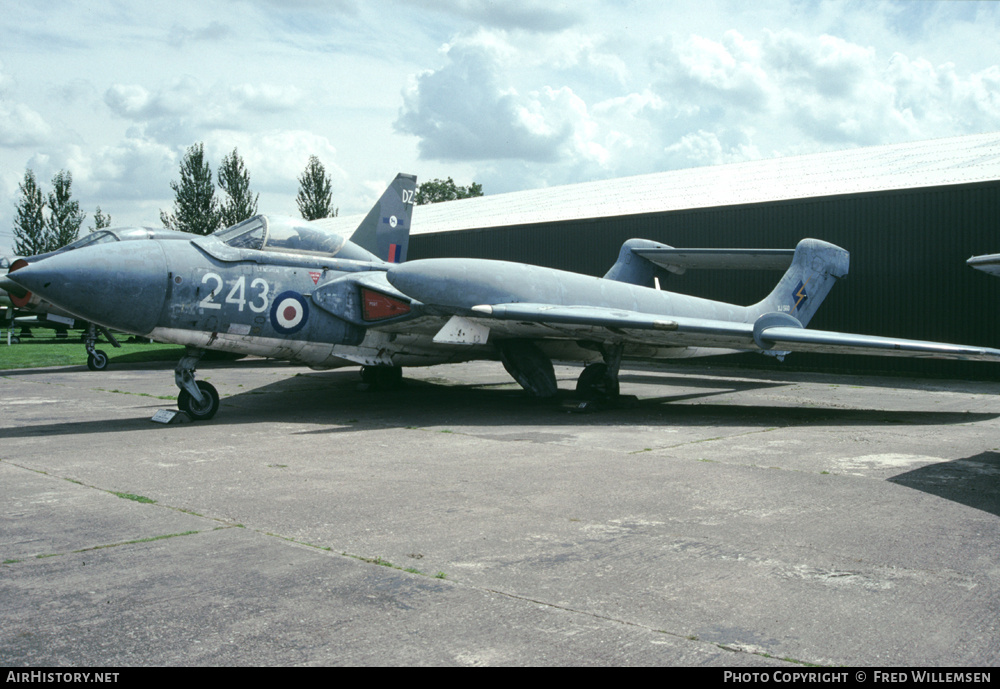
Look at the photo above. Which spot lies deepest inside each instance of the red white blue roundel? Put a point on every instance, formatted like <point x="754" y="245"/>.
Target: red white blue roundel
<point x="289" y="313"/>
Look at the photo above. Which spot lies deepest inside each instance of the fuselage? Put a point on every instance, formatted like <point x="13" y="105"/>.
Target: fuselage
<point x="309" y="308"/>
<point x="283" y="289"/>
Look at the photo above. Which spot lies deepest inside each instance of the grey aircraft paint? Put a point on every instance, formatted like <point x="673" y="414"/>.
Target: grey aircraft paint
<point x="275" y="287"/>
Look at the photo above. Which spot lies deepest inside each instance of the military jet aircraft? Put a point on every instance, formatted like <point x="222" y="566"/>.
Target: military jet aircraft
<point x="274" y="288"/>
<point x="988" y="263"/>
<point x="6" y="307"/>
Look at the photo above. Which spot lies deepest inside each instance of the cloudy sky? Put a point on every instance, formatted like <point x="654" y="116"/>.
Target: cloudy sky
<point x="514" y="94"/>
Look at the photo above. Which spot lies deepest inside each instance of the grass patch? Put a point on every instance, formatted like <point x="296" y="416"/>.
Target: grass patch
<point x="135" y="498"/>
<point x="385" y="563"/>
<point x="38" y="352"/>
<point x="45" y="350"/>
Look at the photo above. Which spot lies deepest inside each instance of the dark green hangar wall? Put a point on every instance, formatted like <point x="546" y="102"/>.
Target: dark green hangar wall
<point x="908" y="276"/>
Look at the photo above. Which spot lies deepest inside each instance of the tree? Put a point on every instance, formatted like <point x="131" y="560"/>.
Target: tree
<point x="196" y="209"/>
<point x="29" y="223"/>
<point x="235" y="181"/>
<point x="65" y="217"/>
<point x="315" y="198"/>
<point x="100" y="220"/>
<point x="438" y="190"/>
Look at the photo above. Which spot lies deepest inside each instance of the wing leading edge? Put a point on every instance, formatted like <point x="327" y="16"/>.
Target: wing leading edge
<point x="769" y="333"/>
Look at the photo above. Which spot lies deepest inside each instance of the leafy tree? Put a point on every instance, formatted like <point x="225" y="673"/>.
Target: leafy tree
<point x="315" y="198"/>
<point x="30" y="236"/>
<point x="438" y="190"/>
<point x="235" y="181"/>
<point x="100" y="220"/>
<point x="65" y="217"/>
<point x="196" y="209"/>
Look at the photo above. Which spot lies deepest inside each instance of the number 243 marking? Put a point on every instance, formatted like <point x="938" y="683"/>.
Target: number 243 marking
<point x="237" y="295"/>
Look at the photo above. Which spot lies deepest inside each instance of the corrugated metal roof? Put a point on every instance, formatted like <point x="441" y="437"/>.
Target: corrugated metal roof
<point x="938" y="162"/>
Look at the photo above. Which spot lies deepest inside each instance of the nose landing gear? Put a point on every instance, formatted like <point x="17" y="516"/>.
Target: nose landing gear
<point x="198" y="398"/>
<point x="97" y="360"/>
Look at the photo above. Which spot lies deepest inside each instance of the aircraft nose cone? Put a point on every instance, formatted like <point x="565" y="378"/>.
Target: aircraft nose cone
<point x="121" y="286"/>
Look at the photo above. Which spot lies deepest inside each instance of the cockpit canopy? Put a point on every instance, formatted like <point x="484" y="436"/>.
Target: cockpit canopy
<point x="289" y="235"/>
<point x="115" y="234"/>
<point x="92" y="239"/>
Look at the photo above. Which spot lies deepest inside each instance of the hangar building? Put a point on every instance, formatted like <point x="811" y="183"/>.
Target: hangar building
<point x="910" y="215"/>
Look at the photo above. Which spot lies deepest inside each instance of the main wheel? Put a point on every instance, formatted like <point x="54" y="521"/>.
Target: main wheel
<point x="98" y="361"/>
<point x="199" y="411"/>
<point x="382" y="377"/>
<point x="593" y="383"/>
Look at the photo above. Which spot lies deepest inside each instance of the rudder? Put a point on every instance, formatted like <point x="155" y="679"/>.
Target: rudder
<point x="816" y="267"/>
<point x="385" y="231"/>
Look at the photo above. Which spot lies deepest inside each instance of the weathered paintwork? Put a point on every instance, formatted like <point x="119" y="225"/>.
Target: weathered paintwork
<point x="228" y="291"/>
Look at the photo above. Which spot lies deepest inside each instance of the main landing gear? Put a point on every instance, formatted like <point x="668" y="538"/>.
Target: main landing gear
<point x="382" y="377"/>
<point x="532" y="369"/>
<point x="198" y="398"/>
<point x="599" y="382"/>
<point x="96" y="359"/>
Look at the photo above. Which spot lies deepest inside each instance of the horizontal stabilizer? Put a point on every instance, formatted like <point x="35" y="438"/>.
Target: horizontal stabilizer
<point x="679" y="260"/>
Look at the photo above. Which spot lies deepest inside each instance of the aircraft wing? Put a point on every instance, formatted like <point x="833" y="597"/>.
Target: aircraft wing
<point x="829" y="342"/>
<point x="772" y="332"/>
<point x="989" y="263"/>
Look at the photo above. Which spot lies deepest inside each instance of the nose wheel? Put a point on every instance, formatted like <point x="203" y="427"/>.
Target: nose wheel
<point x="198" y="398"/>
<point x="97" y="360"/>
<point x="203" y="409"/>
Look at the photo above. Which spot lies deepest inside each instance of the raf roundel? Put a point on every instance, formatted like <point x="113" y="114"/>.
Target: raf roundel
<point x="289" y="313"/>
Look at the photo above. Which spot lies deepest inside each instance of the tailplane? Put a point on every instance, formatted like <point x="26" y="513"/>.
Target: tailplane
<point x="385" y="231"/>
<point x="815" y="268"/>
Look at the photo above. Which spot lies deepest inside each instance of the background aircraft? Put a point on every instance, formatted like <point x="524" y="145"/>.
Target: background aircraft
<point x="988" y="263"/>
<point x="6" y="307"/>
<point x="277" y="288"/>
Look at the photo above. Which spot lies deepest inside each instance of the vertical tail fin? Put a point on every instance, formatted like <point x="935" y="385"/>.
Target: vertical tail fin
<point x="385" y="231"/>
<point x="632" y="267"/>
<point x="815" y="268"/>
